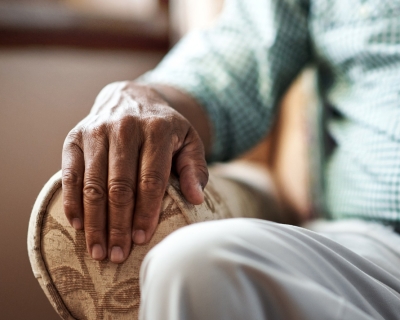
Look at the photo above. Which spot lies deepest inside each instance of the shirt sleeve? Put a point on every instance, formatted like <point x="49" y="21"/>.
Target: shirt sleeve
<point x="239" y="69"/>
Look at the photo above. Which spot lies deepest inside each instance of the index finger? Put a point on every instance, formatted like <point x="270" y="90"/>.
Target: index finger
<point x="72" y="180"/>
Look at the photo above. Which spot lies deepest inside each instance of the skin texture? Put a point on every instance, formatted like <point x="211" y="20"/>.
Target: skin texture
<point x="116" y="163"/>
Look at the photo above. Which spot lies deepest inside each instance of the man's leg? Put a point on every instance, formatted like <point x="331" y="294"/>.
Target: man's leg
<point x="253" y="269"/>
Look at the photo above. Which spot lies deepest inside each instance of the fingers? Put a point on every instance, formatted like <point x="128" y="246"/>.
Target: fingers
<point x="122" y="177"/>
<point x="95" y="145"/>
<point x="192" y="169"/>
<point x="116" y="166"/>
<point x="72" y="179"/>
<point x="154" y="170"/>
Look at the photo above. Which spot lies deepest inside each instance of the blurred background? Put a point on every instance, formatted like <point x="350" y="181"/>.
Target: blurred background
<point x="55" y="56"/>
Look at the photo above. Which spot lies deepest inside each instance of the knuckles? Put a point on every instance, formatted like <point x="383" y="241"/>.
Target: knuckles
<point x="120" y="232"/>
<point x="158" y="127"/>
<point x="152" y="184"/>
<point x="153" y="125"/>
<point x="145" y="218"/>
<point x="94" y="193"/>
<point x="95" y="130"/>
<point x="74" y="136"/>
<point x="124" y="126"/>
<point x="159" y="123"/>
<point x="72" y="143"/>
<point x="120" y="193"/>
<point x="94" y="231"/>
<point x="71" y="178"/>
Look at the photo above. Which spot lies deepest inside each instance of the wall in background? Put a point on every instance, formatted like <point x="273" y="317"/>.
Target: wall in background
<point x="43" y="94"/>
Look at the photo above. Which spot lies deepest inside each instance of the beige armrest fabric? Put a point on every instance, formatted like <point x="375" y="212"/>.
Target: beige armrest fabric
<point x="81" y="288"/>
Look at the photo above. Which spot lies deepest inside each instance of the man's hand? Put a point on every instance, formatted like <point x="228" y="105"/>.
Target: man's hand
<point x="116" y="163"/>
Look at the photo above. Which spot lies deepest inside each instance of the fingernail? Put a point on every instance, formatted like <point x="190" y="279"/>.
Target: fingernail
<point x="116" y="254"/>
<point x="97" y="252"/>
<point x="199" y="186"/>
<point x="77" y="224"/>
<point x="139" y="237"/>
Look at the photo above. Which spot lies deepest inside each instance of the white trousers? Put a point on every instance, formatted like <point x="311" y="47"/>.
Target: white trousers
<point x="249" y="269"/>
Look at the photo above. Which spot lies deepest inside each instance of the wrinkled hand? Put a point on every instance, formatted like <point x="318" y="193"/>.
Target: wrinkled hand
<point x="116" y="163"/>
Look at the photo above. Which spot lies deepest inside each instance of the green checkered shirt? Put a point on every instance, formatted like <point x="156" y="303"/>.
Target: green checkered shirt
<point x="239" y="69"/>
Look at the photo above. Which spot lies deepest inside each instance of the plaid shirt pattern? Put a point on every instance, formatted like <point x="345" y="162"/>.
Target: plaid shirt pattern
<point x="239" y="69"/>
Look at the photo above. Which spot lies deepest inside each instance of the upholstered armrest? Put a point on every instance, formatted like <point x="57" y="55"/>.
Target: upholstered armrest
<point x="81" y="288"/>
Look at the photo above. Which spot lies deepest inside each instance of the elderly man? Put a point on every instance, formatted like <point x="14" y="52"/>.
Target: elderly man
<point x="213" y="97"/>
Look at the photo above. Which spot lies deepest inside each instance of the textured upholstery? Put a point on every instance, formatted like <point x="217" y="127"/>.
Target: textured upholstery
<point x="81" y="288"/>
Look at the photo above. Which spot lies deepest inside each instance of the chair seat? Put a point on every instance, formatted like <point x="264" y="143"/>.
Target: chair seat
<point x="79" y="287"/>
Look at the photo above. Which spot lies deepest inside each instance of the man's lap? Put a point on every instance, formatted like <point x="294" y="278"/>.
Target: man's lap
<point x="373" y="241"/>
<point x="294" y="269"/>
